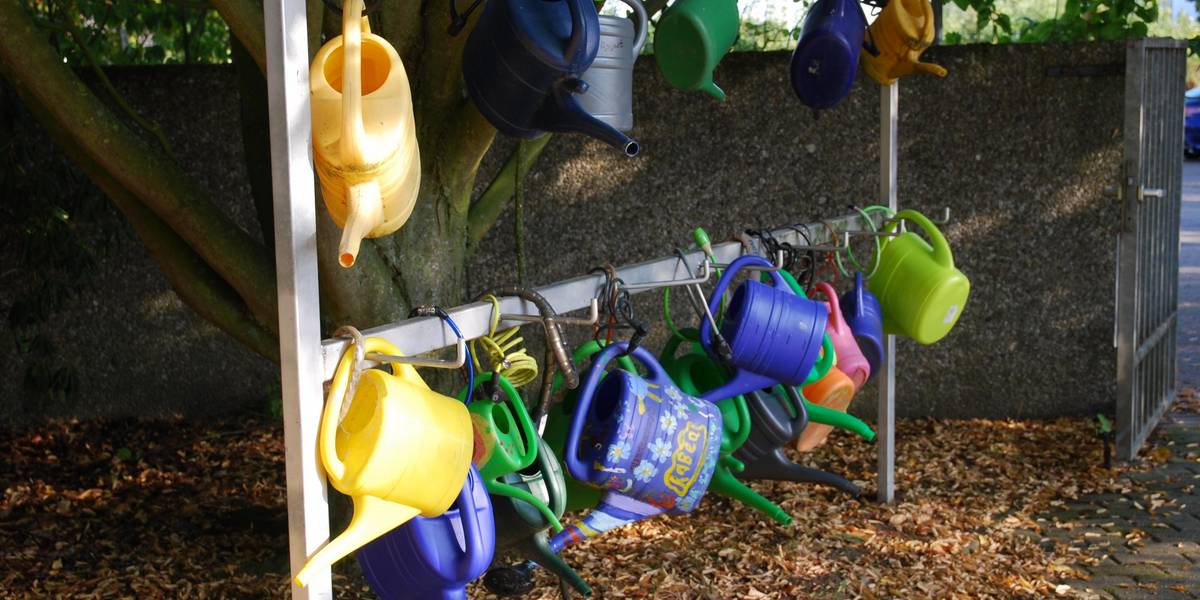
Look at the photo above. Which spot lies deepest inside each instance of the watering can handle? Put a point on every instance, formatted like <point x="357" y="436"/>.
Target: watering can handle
<point x="941" y="249"/>
<point x="327" y="442"/>
<point x="641" y="22"/>
<point x="714" y="300"/>
<point x="579" y="37"/>
<point x="587" y="391"/>
<point x="468" y="512"/>
<point x="528" y="431"/>
<point x="353" y="135"/>
<point x="837" y="323"/>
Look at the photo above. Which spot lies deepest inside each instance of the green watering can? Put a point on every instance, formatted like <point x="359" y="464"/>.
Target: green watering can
<point x="522" y="527"/>
<point x="504" y="444"/>
<point x="690" y="39"/>
<point x="918" y="286"/>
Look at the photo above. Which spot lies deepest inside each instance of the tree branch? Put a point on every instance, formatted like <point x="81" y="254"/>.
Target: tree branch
<point x="491" y="202"/>
<point x="91" y="129"/>
<point x="195" y="283"/>
<point x="245" y="20"/>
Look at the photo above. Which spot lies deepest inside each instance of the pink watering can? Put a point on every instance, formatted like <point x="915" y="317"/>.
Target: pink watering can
<point x="850" y="359"/>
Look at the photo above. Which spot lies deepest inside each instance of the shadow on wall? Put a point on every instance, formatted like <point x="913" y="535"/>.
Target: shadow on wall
<point x="1019" y="156"/>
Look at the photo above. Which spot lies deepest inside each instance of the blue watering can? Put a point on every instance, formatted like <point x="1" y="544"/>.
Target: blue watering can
<point x="434" y="557"/>
<point x="774" y="336"/>
<point x="652" y="447"/>
<point x="861" y="310"/>
<point x="522" y="64"/>
<point x="826" y="57"/>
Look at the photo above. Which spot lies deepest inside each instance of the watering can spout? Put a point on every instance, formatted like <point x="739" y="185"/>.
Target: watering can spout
<point x="372" y="518"/>
<point x="712" y="89"/>
<point x="364" y="213"/>
<point x="564" y="114"/>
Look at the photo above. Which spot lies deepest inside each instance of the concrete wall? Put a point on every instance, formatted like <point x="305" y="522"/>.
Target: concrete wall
<point x="1018" y="153"/>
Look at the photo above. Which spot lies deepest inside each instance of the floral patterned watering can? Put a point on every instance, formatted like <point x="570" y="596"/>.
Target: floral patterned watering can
<point x="522" y="526"/>
<point x="506" y="441"/>
<point x="364" y="137"/>
<point x="652" y="447"/>
<point x="402" y="450"/>
<point x="434" y="557"/>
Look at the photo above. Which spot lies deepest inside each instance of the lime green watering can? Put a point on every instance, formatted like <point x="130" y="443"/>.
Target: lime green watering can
<point x="920" y="290"/>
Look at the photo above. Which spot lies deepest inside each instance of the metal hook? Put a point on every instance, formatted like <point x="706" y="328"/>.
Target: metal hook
<point x="592" y="318"/>
<point x="360" y="350"/>
<point x="945" y="217"/>
<point x="835" y="248"/>
<point x="459" y="359"/>
<point x="705" y="273"/>
<point x="778" y="266"/>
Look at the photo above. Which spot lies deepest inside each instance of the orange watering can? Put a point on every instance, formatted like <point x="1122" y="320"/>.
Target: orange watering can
<point x="833" y="391"/>
<point x="402" y="450"/>
<point x="364" y="136"/>
<point x="901" y="33"/>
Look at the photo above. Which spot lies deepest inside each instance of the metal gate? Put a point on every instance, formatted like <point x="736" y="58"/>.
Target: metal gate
<point x="1148" y="243"/>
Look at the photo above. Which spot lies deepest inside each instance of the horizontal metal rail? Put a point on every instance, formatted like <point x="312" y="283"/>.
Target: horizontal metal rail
<point x="426" y="334"/>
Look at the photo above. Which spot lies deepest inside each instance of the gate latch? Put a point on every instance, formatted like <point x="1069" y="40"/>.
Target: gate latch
<point x="1144" y="192"/>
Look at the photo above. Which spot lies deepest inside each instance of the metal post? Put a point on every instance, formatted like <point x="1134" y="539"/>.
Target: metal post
<point x="296" y="266"/>
<point x="889" y="114"/>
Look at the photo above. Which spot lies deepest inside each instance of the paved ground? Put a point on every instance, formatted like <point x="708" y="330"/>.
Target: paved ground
<point x="1147" y="538"/>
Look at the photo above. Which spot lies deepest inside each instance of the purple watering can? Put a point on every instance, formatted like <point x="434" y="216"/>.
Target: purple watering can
<point x="826" y="57"/>
<point x="651" y="446"/>
<point x="434" y="557"/>
<point x="773" y="335"/>
<point x="861" y="310"/>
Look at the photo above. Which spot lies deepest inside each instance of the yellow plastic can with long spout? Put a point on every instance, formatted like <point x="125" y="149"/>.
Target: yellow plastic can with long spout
<point x="401" y="450"/>
<point x="364" y="137"/>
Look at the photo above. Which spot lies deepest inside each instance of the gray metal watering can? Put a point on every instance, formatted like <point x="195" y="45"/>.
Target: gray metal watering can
<point x="609" y="95"/>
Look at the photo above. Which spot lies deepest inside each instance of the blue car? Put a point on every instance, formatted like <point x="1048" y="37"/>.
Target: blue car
<point x="1191" y="123"/>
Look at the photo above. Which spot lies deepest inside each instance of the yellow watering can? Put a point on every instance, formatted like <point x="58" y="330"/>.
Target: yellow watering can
<point x="901" y="33"/>
<point x="364" y="137"/>
<point x="401" y="450"/>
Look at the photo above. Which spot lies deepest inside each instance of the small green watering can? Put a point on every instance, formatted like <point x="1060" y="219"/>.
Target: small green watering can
<point x="690" y="39"/>
<point x="920" y="290"/>
<point x="505" y="443"/>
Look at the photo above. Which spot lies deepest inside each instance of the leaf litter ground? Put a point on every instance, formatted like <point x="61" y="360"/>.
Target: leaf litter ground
<point x="189" y="509"/>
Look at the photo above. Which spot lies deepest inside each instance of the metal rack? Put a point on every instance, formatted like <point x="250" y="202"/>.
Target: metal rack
<point x="306" y="361"/>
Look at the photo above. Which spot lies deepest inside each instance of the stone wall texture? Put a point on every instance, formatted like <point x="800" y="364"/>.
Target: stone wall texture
<point x="1017" y="147"/>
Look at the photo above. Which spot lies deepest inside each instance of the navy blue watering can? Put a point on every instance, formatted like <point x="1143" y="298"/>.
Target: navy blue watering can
<point x="435" y="557"/>
<point x="523" y="62"/>
<point x="863" y="313"/>
<point x="826" y="57"/>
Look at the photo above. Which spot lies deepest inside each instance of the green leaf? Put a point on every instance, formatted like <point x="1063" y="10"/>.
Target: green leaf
<point x="124" y="454"/>
<point x="1003" y="22"/>
<point x="1138" y="30"/>
<point x="952" y="38"/>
